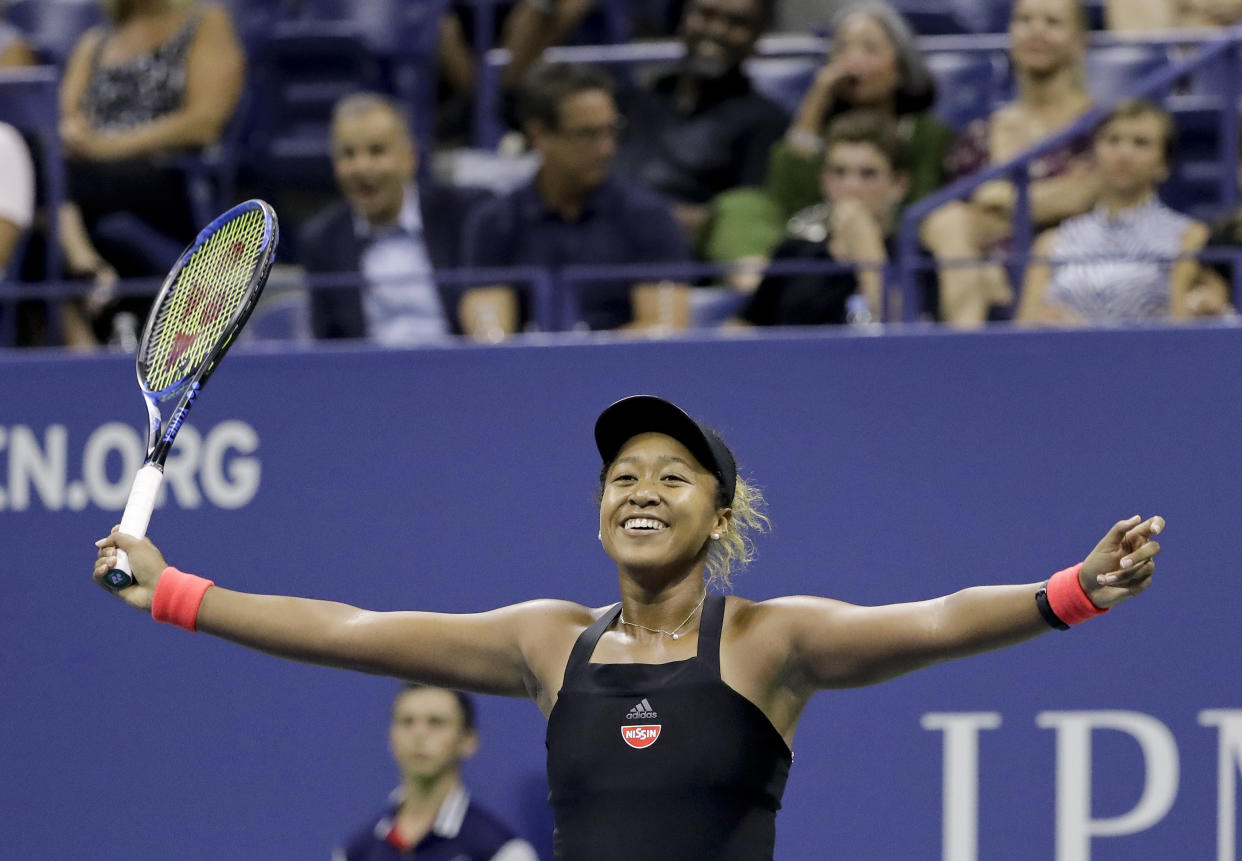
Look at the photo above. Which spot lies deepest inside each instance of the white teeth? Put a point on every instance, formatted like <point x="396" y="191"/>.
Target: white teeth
<point x="644" y="523"/>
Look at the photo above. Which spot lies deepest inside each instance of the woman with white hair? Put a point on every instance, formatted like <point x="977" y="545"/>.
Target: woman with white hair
<point x="874" y="65"/>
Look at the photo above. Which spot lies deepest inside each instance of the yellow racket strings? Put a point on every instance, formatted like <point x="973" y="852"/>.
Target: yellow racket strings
<point x="203" y="300"/>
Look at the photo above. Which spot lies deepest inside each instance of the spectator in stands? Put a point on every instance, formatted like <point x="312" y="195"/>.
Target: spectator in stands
<point x="526" y="29"/>
<point x="535" y="25"/>
<point x="864" y="178"/>
<point x="17" y="195"/>
<point x="874" y="65"/>
<point x="1166" y="14"/>
<point x="574" y="211"/>
<point x="387" y="236"/>
<point x="1048" y="44"/>
<point x="1211" y="294"/>
<point x="703" y="128"/>
<point x="431" y="734"/>
<point x="162" y="78"/>
<point x="14" y="51"/>
<point x="1131" y="257"/>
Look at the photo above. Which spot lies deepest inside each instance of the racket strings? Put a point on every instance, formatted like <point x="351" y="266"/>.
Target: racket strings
<point x="203" y="299"/>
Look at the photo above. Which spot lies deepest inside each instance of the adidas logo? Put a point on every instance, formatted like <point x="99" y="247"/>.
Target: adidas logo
<point x="641" y="711"/>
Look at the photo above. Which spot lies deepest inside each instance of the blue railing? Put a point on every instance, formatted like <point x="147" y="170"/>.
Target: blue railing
<point x="553" y="295"/>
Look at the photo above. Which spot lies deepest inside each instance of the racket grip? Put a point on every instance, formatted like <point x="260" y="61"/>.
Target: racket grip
<point x="134" y="521"/>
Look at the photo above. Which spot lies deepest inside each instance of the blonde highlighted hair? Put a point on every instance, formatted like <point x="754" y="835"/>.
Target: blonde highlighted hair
<point x="736" y="547"/>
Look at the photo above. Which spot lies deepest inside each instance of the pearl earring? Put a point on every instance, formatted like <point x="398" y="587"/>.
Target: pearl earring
<point x="715" y="536"/>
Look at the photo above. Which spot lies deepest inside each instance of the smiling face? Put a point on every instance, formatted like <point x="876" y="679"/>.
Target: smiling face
<point x="373" y="159"/>
<point x="658" y="509"/>
<point x="719" y="34"/>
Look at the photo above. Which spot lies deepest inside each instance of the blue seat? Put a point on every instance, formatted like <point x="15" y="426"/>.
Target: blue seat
<point x="211" y="175"/>
<point x="1217" y="78"/>
<point x="783" y="79"/>
<point x="712" y="306"/>
<point x="53" y="27"/>
<point x="1115" y="69"/>
<point x="1200" y="170"/>
<point x="377" y="22"/>
<point x="402" y="38"/>
<point x="966" y="85"/>
<point x="933" y="18"/>
<point x="305" y="67"/>
<point x="283" y="314"/>
<point x="254" y="22"/>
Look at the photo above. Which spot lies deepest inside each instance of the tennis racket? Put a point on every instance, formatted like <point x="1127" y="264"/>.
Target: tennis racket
<point x="205" y="301"/>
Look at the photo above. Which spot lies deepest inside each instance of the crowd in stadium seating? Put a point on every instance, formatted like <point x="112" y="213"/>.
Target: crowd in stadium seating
<point x="349" y="117"/>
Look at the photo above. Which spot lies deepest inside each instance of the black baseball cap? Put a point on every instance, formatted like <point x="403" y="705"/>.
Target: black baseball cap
<point x="637" y="414"/>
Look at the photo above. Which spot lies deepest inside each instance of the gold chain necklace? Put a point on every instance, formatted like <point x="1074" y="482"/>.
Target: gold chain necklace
<point x="673" y="633"/>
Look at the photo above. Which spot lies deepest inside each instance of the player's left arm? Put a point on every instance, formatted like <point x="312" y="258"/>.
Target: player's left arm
<point x="833" y="644"/>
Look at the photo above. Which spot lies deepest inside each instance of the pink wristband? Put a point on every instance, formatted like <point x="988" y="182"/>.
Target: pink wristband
<point x="177" y="596"/>
<point x="1067" y="598"/>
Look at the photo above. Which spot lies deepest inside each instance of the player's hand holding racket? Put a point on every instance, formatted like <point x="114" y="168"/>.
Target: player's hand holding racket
<point x="145" y="561"/>
<point x="205" y="301"/>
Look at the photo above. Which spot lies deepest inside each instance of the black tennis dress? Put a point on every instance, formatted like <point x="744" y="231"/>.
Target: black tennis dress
<point x="662" y="762"/>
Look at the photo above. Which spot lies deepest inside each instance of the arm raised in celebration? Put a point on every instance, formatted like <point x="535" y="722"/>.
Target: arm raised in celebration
<point x="484" y="652"/>
<point x="833" y="644"/>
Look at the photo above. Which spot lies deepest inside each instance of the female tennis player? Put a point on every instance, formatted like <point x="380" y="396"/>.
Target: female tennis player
<point x="671" y="713"/>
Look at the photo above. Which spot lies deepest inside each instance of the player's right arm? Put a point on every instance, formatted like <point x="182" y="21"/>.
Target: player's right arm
<point x="483" y="652"/>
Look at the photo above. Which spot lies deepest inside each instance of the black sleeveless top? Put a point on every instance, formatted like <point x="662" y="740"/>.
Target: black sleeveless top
<point x="662" y="762"/>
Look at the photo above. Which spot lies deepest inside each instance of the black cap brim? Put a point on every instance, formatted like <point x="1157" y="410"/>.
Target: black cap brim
<point x="637" y="414"/>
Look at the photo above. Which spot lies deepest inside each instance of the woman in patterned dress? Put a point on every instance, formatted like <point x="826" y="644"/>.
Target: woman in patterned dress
<point x="161" y="79"/>
<point x="1131" y="257"/>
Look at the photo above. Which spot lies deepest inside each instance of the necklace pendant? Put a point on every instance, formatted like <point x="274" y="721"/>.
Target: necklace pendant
<point x="675" y="636"/>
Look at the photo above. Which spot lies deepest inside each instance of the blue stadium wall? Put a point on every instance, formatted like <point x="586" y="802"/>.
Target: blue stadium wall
<point x="460" y="479"/>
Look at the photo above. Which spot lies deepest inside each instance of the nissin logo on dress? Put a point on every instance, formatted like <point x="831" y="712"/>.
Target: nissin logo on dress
<point x="639" y="736"/>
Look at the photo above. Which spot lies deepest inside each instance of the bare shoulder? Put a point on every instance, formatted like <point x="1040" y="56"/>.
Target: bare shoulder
<point x="88" y="42"/>
<point x="1006" y="116"/>
<point x="765" y="650"/>
<point x="216" y="27"/>
<point x="547" y="629"/>
<point x="214" y="15"/>
<point x="556" y="611"/>
<point x="778" y="622"/>
<point x="789" y="608"/>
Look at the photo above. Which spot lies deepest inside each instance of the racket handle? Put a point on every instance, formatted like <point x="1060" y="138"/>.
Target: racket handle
<point x="134" y="521"/>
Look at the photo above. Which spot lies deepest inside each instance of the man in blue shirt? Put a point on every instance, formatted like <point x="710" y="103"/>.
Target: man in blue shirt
<point x="432" y="817"/>
<point x="575" y="212"/>
<point x="387" y="237"/>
